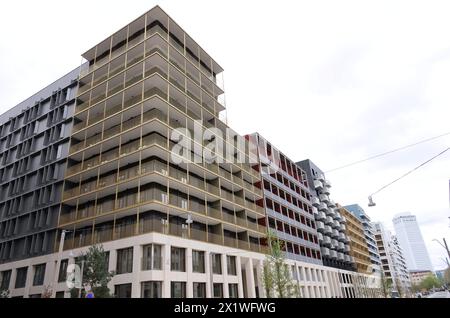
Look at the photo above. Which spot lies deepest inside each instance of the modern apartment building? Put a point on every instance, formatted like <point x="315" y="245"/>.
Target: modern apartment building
<point x="369" y="235"/>
<point x="103" y="166"/>
<point x="289" y="212"/>
<point x="34" y="144"/>
<point x="358" y="246"/>
<point x="393" y="263"/>
<point x="411" y="240"/>
<point x="330" y="223"/>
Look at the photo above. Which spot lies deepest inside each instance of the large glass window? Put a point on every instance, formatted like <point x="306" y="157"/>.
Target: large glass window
<point x="233" y="290"/>
<point x="39" y="274"/>
<point x="198" y="261"/>
<point x="217" y="263"/>
<point x="177" y="259"/>
<point x="199" y="290"/>
<point x="218" y="290"/>
<point x="122" y="291"/>
<point x="124" y="260"/>
<point x="5" y="278"/>
<point x="62" y="275"/>
<point x="178" y="290"/>
<point x="151" y="289"/>
<point x="231" y="265"/>
<point x="152" y="257"/>
<point x="21" y="277"/>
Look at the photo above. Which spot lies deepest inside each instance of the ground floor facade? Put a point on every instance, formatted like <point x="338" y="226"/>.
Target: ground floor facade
<point x="160" y="265"/>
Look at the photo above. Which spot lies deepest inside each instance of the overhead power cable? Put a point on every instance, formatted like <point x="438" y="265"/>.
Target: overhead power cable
<point x="388" y="152"/>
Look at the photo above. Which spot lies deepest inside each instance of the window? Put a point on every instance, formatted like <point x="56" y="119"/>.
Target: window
<point x="59" y="294"/>
<point x="178" y="259"/>
<point x="122" y="291"/>
<point x="233" y="290"/>
<point x="21" y="277"/>
<point x="39" y="274"/>
<point x="151" y="289"/>
<point x="217" y="263"/>
<point x="231" y="265"/>
<point x="199" y="290"/>
<point x="178" y="290"/>
<point x="5" y="278"/>
<point x="124" y="261"/>
<point x="198" y="261"/>
<point x="62" y="276"/>
<point x="218" y="290"/>
<point x="152" y="257"/>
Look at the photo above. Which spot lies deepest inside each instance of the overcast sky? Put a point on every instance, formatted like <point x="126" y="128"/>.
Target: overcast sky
<point x="332" y="81"/>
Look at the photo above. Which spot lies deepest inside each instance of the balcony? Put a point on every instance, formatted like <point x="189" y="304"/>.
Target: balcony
<point x="329" y="220"/>
<point x="347" y="248"/>
<point x="334" y="244"/>
<point x="325" y="251"/>
<point x="342" y="227"/>
<point x="342" y="237"/>
<point x="341" y="246"/>
<point x="229" y="241"/>
<point x="324" y="198"/>
<point x="315" y="201"/>
<point x="331" y="204"/>
<point x="333" y="254"/>
<point x="330" y="212"/>
<point x="340" y="256"/>
<point x="327" y="183"/>
<point x="335" y="233"/>
<point x="321" y="177"/>
<point x="336" y="225"/>
<point x="320" y="237"/>
<point x="323" y="207"/>
<point x="344" y="220"/>
<point x="328" y="230"/>
<point x="326" y="241"/>
<point x="318" y="185"/>
<point x="320" y="226"/>
<point x="326" y="190"/>
<point x="321" y="216"/>
<point x="314" y="210"/>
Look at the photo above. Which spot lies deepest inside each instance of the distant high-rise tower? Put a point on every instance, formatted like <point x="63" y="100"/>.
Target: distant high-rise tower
<point x="411" y="241"/>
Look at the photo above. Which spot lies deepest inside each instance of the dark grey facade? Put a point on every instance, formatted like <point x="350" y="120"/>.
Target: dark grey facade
<point x="34" y="145"/>
<point x="330" y="224"/>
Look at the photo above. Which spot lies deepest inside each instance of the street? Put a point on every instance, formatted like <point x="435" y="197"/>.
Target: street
<point x="441" y="294"/>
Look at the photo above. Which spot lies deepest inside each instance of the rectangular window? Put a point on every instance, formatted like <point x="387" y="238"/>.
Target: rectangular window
<point x="218" y="290"/>
<point x="5" y="278"/>
<point x="198" y="261"/>
<point x="62" y="275"/>
<point x="59" y="294"/>
<point x="151" y="289"/>
<point x="124" y="261"/>
<point x="178" y="290"/>
<point x="21" y="277"/>
<point x="231" y="265"/>
<point x="122" y="291"/>
<point x="199" y="290"/>
<point x="39" y="274"/>
<point x="177" y="259"/>
<point x="152" y="257"/>
<point x="233" y="290"/>
<point x="217" y="263"/>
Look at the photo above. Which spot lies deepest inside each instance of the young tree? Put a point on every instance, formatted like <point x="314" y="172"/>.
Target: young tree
<point x="386" y="285"/>
<point x="95" y="272"/>
<point x="277" y="280"/>
<point x="430" y="282"/>
<point x="399" y="286"/>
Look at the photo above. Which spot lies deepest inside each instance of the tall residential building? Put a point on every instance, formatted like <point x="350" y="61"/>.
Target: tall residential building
<point x="330" y="223"/>
<point x="393" y="262"/>
<point x="369" y="235"/>
<point x="111" y="153"/>
<point x="411" y="240"/>
<point x="358" y="246"/>
<point x="289" y="212"/>
<point x="34" y="144"/>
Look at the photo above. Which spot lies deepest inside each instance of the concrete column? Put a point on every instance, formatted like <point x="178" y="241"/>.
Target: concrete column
<point x="12" y="280"/>
<point x="250" y="278"/>
<point x="239" y="275"/>
<point x="259" y="274"/>
<point x="166" y="271"/>
<point x="29" y="281"/>
<point x="111" y="267"/>
<point x="226" y="293"/>
<point x="135" y="285"/>
<point x="208" y="272"/>
<point x="189" y="285"/>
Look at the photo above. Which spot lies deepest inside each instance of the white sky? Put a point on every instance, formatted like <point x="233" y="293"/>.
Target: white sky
<point x="332" y="81"/>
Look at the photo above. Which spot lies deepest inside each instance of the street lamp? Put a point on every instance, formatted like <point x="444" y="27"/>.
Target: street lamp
<point x="58" y="261"/>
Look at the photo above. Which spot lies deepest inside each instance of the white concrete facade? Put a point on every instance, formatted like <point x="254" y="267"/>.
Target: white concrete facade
<point x="315" y="281"/>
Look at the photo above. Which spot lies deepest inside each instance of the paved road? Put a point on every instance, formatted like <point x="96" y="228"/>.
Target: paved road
<point x="442" y="294"/>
